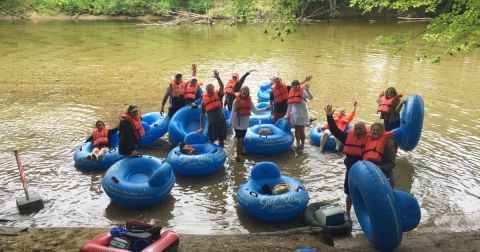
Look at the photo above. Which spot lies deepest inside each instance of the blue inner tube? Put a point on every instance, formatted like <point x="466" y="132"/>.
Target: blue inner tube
<point x="264" y="91"/>
<point x="139" y="181"/>
<point x="411" y="123"/>
<point x="111" y="157"/>
<point x="271" y="207"/>
<point x="155" y="126"/>
<point x="209" y="157"/>
<point x="184" y="121"/>
<point x="315" y="137"/>
<point x="310" y="219"/>
<point x="261" y="118"/>
<point x="410" y="210"/>
<point x="279" y="141"/>
<point x="227" y="116"/>
<point x="375" y="205"/>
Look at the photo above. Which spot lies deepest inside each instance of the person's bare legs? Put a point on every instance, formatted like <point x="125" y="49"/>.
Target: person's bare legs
<point x="102" y="152"/>
<point x="94" y="154"/>
<point x="337" y="145"/>
<point x="301" y="133"/>
<point x="297" y="136"/>
<point x="348" y="202"/>
<point x="239" y="149"/>
<point x="323" y="140"/>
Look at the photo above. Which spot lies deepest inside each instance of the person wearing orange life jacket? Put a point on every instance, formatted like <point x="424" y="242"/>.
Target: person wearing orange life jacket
<point x="233" y="86"/>
<point x="354" y="143"/>
<point x="341" y="120"/>
<point x="212" y="105"/>
<point x="101" y="139"/>
<point x="175" y="94"/>
<point x="187" y="149"/>
<point x="130" y="131"/>
<point x="389" y="105"/>
<point x="278" y="98"/>
<point x="297" y="110"/>
<point x="380" y="150"/>
<point x="193" y="90"/>
<point x="239" y="118"/>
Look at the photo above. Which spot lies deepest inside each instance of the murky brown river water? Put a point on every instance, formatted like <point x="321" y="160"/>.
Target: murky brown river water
<point x="57" y="79"/>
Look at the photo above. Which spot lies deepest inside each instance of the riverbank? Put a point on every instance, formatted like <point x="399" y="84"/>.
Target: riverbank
<point x="70" y="239"/>
<point x="37" y="17"/>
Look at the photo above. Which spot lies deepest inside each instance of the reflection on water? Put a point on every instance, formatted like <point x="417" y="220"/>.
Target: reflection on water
<point x="57" y="79"/>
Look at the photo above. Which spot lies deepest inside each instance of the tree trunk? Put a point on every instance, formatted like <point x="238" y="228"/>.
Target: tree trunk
<point x="332" y="4"/>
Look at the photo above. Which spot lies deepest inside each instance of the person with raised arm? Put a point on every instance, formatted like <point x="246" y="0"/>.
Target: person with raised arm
<point x="212" y="105"/>
<point x="297" y="110"/>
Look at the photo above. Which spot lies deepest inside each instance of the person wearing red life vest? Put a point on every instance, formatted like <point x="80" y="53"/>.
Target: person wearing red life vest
<point x="130" y="131"/>
<point x="354" y="142"/>
<point x="193" y="90"/>
<point x="233" y="86"/>
<point x="389" y="105"/>
<point x="278" y="98"/>
<point x="242" y="108"/>
<point x="380" y="150"/>
<point x="212" y="105"/>
<point x="297" y="110"/>
<point x="175" y="93"/>
<point x="101" y="140"/>
<point x="342" y="120"/>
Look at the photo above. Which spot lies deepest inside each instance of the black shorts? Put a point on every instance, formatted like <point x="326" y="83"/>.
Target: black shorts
<point x="345" y="184"/>
<point x="349" y="161"/>
<point x="217" y="131"/>
<point x="240" y="134"/>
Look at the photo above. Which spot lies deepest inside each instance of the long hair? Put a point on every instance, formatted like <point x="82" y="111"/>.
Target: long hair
<point x="394" y="92"/>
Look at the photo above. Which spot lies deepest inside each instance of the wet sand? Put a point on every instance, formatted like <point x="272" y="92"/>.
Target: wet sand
<point x="70" y="239"/>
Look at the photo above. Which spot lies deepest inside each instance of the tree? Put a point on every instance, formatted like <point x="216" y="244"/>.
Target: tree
<point x="456" y="23"/>
<point x="13" y="8"/>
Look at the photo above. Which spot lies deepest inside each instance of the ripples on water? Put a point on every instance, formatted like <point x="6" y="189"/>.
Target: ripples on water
<point x="56" y="80"/>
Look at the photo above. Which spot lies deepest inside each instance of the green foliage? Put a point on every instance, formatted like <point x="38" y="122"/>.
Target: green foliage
<point x="280" y="17"/>
<point x="106" y="7"/>
<point x="400" y="5"/>
<point x="12" y="7"/>
<point x="241" y="10"/>
<point x="458" y="28"/>
<point x="199" y="6"/>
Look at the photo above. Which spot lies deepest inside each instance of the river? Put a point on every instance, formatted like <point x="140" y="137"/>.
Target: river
<point x="58" y="78"/>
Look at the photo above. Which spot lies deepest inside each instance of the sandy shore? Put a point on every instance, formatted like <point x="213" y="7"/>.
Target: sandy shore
<point x="70" y="239"/>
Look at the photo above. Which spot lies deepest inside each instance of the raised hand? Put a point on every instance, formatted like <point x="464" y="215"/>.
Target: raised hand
<point x="329" y="110"/>
<point x="216" y="75"/>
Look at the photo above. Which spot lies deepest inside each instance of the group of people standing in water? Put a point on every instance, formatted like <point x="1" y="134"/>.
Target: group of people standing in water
<point x="374" y="144"/>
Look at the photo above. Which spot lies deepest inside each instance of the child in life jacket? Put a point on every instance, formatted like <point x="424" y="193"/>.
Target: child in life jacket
<point x="187" y="149"/>
<point x="100" y="138"/>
